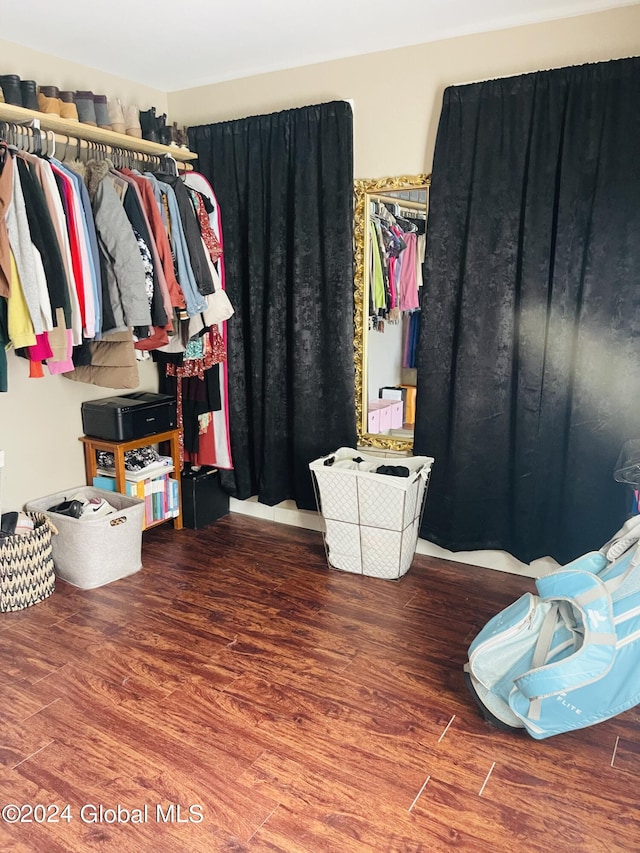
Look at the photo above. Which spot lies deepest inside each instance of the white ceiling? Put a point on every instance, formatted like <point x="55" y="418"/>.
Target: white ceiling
<point x="177" y="45"/>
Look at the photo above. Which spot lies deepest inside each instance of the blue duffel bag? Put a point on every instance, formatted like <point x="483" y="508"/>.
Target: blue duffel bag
<point x="568" y="657"/>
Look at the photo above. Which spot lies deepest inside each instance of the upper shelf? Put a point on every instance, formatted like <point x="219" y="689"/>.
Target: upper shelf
<point x="78" y="130"/>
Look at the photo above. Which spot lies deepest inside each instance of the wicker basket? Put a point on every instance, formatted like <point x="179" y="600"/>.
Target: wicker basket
<point x="26" y="566"/>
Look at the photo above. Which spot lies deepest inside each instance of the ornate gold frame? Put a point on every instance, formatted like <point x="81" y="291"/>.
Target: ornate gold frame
<point x="362" y="189"/>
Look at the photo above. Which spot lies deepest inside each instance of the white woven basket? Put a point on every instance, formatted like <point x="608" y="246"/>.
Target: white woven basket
<point x="371" y="521"/>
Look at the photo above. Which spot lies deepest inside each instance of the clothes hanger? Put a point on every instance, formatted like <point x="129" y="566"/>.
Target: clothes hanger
<point x="37" y="139"/>
<point x="50" y="139"/>
<point x="169" y="164"/>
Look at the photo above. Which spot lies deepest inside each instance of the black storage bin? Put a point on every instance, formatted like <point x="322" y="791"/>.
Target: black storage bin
<point x="203" y="498"/>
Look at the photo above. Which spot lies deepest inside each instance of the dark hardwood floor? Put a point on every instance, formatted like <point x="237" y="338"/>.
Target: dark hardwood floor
<point x="282" y="706"/>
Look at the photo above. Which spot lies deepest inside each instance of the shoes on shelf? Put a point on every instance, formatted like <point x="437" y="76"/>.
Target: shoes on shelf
<point x="94" y="110"/>
<point x="181" y="136"/>
<point x="68" y="107"/>
<point x="169" y="135"/>
<point x="132" y="122"/>
<point x="11" y="87"/>
<point x="49" y="100"/>
<point x="161" y="125"/>
<point x="148" y="124"/>
<point x="116" y="116"/>
<point x="152" y="125"/>
<point x="86" y="108"/>
<point x="29" y="91"/>
<point x="102" y="112"/>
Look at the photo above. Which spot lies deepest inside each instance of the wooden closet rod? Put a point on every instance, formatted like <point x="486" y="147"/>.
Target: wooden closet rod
<point x="71" y="131"/>
<point x="70" y="143"/>
<point x="68" y="146"/>
<point x="401" y="202"/>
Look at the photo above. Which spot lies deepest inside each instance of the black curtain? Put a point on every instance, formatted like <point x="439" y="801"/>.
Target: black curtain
<point x="284" y="183"/>
<point x="529" y="357"/>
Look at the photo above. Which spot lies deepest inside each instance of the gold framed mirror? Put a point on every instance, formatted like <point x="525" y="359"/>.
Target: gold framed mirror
<point x="379" y="369"/>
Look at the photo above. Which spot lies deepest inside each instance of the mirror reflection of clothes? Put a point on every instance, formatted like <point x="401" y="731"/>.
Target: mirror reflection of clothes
<point x="410" y="337"/>
<point x="408" y="277"/>
<point x="395" y="268"/>
<point x="378" y="297"/>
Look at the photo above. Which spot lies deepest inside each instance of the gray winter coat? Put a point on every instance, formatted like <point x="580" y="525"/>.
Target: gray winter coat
<point x="123" y="270"/>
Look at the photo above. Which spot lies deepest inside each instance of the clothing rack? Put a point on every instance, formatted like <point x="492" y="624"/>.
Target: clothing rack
<point x="30" y="127"/>
<point x="411" y="208"/>
<point x="412" y="213"/>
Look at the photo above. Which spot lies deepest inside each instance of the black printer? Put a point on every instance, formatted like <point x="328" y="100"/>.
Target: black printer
<point x="129" y="416"/>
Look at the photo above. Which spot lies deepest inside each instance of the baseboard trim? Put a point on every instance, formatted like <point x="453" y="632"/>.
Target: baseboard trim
<point x="288" y="513"/>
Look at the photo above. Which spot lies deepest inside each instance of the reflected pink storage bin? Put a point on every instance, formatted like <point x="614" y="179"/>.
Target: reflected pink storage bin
<point x="396" y="414"/>
<point x="383" y="410"/>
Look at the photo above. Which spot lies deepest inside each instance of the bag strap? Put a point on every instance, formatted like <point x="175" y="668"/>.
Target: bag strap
<point x="623" y="549"/>
<point x="625" y="538"/>
<point x="590" y="662"/>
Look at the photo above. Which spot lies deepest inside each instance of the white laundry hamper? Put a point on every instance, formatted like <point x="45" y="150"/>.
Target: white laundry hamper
<point x="371" y="521"/>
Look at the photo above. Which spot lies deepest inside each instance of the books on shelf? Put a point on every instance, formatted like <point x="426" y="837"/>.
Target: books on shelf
<point x="159" y="492"/>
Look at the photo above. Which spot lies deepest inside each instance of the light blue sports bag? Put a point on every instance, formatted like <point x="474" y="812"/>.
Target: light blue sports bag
<point x="569" y="657"/>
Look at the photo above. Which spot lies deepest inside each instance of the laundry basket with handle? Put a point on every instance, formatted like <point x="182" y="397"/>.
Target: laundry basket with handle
<point x="96" y="551"/>
<point x="371" y="520"/>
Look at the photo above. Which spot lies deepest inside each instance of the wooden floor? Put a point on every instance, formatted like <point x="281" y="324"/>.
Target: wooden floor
<point x="282" y="706"/>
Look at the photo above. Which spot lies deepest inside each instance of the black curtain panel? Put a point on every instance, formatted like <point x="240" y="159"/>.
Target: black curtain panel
<point x="284" y="183"/>
<point x="529" y="355"/>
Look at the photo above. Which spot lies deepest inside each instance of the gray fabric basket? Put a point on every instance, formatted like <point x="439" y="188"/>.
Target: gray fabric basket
<point x="93" y="552"/>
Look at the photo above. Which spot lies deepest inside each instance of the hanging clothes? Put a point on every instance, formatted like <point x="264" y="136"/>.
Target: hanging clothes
<point x="6" y="184"/>
<point x="215" y="440"/>
<point x="202" y="387"/>
<point x="194" y="398"/>
<point x="160" y="236"/>
<point x="192" y="232"/>
<point x="194" y="300"/>
<point x="98" y="262"/>
<point x="18" y="243"/>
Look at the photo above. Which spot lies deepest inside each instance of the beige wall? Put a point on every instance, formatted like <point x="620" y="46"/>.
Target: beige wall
<point x="49" y="70"/>
<point x="397" y="96"/>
